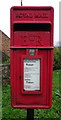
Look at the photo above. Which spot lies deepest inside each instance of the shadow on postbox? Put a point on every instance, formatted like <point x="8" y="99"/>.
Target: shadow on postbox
<point x="31" y="57"/>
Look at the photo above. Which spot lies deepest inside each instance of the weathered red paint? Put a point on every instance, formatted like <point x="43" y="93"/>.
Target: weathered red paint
<point x="31" y="27"/>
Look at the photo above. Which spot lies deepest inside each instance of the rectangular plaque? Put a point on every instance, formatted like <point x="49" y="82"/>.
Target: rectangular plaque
<point x="31" y="74"/>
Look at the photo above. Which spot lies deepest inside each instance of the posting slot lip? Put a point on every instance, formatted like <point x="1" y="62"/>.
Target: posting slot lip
<point x="32" y="22"/>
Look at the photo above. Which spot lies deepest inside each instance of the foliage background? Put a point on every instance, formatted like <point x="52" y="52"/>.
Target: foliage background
<point x="57" y="58"/>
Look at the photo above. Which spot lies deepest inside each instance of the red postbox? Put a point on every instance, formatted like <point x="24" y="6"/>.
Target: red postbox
<point x="31" y="58"/>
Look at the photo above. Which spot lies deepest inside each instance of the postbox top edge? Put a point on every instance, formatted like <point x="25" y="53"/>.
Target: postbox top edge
<point x="47" y="8"/>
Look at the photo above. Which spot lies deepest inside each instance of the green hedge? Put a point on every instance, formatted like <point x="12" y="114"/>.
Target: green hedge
<point x="57" y="59"/>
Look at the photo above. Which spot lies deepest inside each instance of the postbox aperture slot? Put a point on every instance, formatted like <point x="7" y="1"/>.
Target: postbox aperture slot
<point x="32" y="27"/>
